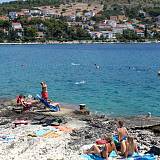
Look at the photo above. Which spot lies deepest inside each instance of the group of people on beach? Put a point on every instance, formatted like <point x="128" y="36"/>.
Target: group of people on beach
<point x="120" y="142"/>
<point x="21" y="99"/>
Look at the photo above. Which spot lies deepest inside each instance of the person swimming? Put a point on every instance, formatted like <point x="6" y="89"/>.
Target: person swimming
<point x="97" y="66"/>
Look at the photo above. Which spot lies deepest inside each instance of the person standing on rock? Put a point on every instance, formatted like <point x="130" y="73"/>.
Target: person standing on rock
<point x="44" y="92"/>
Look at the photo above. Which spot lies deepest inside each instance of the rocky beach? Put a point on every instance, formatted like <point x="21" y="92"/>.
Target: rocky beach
<point x="65" y="132"/>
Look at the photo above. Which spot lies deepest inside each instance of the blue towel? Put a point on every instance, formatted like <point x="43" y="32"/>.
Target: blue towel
<point x="7" y="138"/>
<point x="113" y="154"/>
<point x="52" y="108"/>
<point x="96" y="157"/>
<point x="146" y="157"/>
<point x="41" y="132"/>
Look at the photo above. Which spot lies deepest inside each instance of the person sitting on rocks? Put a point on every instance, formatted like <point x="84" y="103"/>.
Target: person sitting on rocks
<point x="120" y="136"/>
<point x="130" y="146"/>
<point x="22" y="102"/>
<point x="104" y="149"/>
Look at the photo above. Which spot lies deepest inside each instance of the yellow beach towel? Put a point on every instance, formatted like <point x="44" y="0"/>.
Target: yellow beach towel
<point x="50" y="134"/>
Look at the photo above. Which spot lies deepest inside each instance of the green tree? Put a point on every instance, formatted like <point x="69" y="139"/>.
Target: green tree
<point x="30" y="34"/>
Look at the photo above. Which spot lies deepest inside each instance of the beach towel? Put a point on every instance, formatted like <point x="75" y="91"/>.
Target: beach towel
<point x="52" y="107"/>
<point x="51" y="128"/>
<point x="41" y="132"/>
<point x="51" y="134"/>
<point x="97" y="157"/>
<point x="45" y="130"/>
<point x="7" y="138"/>
<point x="146" y="157"/>
<point x="63" y="128"/>
<point x="18" y="122"/>
<point x="113" y="155"/>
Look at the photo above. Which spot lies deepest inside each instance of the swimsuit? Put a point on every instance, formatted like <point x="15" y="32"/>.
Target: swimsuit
<point x="45" y="95"/>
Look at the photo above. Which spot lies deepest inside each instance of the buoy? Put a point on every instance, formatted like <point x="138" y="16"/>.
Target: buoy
<point x="158" y="73"/>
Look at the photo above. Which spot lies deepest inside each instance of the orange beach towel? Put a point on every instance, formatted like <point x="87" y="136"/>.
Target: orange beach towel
<point x="50" y="134"/>
<point x="64" y="129"/>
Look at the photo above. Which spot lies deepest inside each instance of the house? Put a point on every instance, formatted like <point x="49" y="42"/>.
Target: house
<point x="17" y="27"/>
<point x="140" y="33"/>
<point x="112" y="23"/>
<point x="25" y="11"/>
<point x="40" y="35"/>
<point x="13" y="15"/>
<point x="142" y="13"/>
<point x="21" y="14"/>
<point x="113" y="18"/>
<point x="89" y="14"/>
<point x="35" y="13"/>
<point x="117" y="31"/>
<point x="103" y="27"/>
<point x="130" y="26"/>
<point x="142" y="26"/>
<point x="48" y="13"/>
<point x="121" y="26"/>
<point x="107" y="34"/>
<point x="95" y="34"/>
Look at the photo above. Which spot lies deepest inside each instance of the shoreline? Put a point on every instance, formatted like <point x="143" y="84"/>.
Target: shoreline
<point x="85" y="129"/>
<point x="72" y="107"/>
<point x="78" y="42"/>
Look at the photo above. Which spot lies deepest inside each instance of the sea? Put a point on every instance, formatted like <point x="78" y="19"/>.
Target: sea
<point x="111" y="79"/>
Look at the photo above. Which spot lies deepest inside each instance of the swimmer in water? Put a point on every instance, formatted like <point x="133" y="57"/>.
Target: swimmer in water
<point x="97" y="66"/>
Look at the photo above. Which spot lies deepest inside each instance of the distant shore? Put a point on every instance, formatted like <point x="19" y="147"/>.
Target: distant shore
<point x="75" y="42"/>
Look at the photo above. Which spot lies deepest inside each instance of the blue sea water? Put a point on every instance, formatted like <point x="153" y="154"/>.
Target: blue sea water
<point x="126" y="82"/>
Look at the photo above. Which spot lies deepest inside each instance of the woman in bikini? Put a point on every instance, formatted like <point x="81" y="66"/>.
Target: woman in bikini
<point x="131" y="146"/>
<point x="103" y="150"/>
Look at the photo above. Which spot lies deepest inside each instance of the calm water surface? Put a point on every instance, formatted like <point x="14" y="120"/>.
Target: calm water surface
<point x="125" y="84"/>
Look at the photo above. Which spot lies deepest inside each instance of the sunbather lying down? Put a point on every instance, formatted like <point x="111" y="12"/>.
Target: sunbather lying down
<point x="104" y="149"/>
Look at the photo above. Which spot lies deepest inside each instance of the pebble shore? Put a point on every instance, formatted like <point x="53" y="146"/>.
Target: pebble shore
<point x="86" y="129"/>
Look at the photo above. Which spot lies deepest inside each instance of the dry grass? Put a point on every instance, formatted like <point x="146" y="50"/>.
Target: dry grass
<point x="72" y="9"/>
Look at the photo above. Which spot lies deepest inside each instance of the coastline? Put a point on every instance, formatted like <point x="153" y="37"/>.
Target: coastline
<point x="85" y="129"/>
<point x="77" y="42"/>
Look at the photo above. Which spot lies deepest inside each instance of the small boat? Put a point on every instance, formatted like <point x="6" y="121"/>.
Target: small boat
<point x="158" y="73"/>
